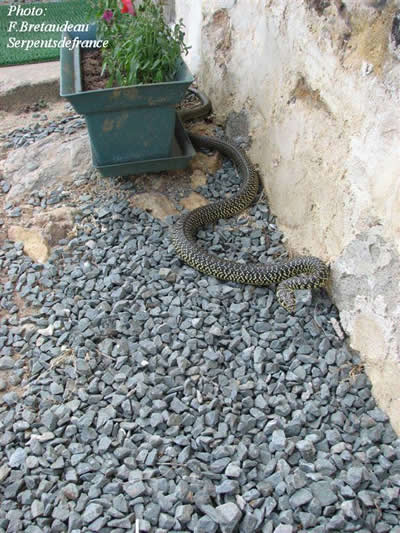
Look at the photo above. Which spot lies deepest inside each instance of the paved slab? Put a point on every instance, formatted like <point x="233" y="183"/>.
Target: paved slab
<point x="25" y="84"/>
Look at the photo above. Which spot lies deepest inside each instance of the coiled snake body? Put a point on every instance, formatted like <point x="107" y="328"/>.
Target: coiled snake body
<point x="299" y="273"/>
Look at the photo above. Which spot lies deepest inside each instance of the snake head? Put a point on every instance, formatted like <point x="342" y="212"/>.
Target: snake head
<point x="286" y="298"/>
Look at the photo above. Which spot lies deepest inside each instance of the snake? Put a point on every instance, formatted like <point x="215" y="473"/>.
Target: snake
<point x="302" y="272"/>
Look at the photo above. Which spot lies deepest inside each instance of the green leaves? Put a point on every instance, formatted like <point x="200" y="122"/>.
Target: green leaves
<point x="142" y="49"/>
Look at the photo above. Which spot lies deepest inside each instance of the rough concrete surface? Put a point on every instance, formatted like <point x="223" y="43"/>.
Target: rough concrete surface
<point x="317" y="83"/>
<point x="24" y="84"/>
<point x="51" y="161"/>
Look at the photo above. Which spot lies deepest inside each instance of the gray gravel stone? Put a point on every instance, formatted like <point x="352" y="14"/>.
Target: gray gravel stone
<point x="228" y="516"/>
<point x="307" y="449"/>
<point x="351" y="509"/>
<point x="205" y="525"/>
<point x="322" y="490"/>
<point x="284" y="528"/>
<point x="233" y="470"/>
<point x="184" y="513"/>
<point x="17" y="458"/>
<point x="300" y="497"/>
<point x="152" y="513"/>
<point x="178" y="406"/>
<point x="135" y="489"/>
<point x="354" y="477"/>
<point x="166" y="521"/>
<point x="368" y="498"/>
<point x="278" y="441"/>
<point x="37" y="508"/>
<point x="228" y="486"/>
<point x="6" y="363"/>
<point x="156" y="392"/>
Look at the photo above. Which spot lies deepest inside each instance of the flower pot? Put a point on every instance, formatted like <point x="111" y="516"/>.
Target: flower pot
<point x="181" y="153"/>
<point x="125" y="124"/>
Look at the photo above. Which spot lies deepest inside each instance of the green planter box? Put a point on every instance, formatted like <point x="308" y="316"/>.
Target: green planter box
<point x="125" y="124"/>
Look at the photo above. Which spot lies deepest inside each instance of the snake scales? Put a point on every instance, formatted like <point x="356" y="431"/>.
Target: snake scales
<point x="299" y="273"/>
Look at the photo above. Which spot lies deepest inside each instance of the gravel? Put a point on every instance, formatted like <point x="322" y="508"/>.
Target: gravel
<point x="144" y="391"/>
<point x="40" y="128"/>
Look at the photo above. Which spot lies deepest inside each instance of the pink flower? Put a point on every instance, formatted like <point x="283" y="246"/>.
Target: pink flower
<point x="128" y="7"/>
<point x="107" y="15"/>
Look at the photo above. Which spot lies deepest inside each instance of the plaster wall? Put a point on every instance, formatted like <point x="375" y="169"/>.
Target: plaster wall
<point x="315" y="85"/>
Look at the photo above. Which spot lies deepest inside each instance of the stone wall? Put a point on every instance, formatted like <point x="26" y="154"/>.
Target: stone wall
<point x="316" y="86"/>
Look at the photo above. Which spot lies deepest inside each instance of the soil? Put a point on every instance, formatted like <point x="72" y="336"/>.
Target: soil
<point x="91" y="65"/>
<point x="26" y="115"/>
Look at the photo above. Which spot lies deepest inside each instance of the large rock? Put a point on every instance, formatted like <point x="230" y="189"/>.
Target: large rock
<point x="198" y="178"/>
<point x="46" y="164"/>
<point x="193" y="201"/>
<point x="49" y="227"/>
<point x="157" y="204"/>
<point x="206" y="163"/>
<point x="35" y="244"/>
<point x="56" y="223"/>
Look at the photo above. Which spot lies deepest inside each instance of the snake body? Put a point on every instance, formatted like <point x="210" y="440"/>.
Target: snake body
<point x="299" y="273"/>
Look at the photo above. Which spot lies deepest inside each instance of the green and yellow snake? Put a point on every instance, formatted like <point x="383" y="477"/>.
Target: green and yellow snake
<point x="299" y="273"/>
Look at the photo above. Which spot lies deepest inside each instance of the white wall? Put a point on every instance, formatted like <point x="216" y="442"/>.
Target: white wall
<point x="321" y="92"/>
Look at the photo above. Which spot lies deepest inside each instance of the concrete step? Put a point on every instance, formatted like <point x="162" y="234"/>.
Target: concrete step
<point x="21" y="85"/>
